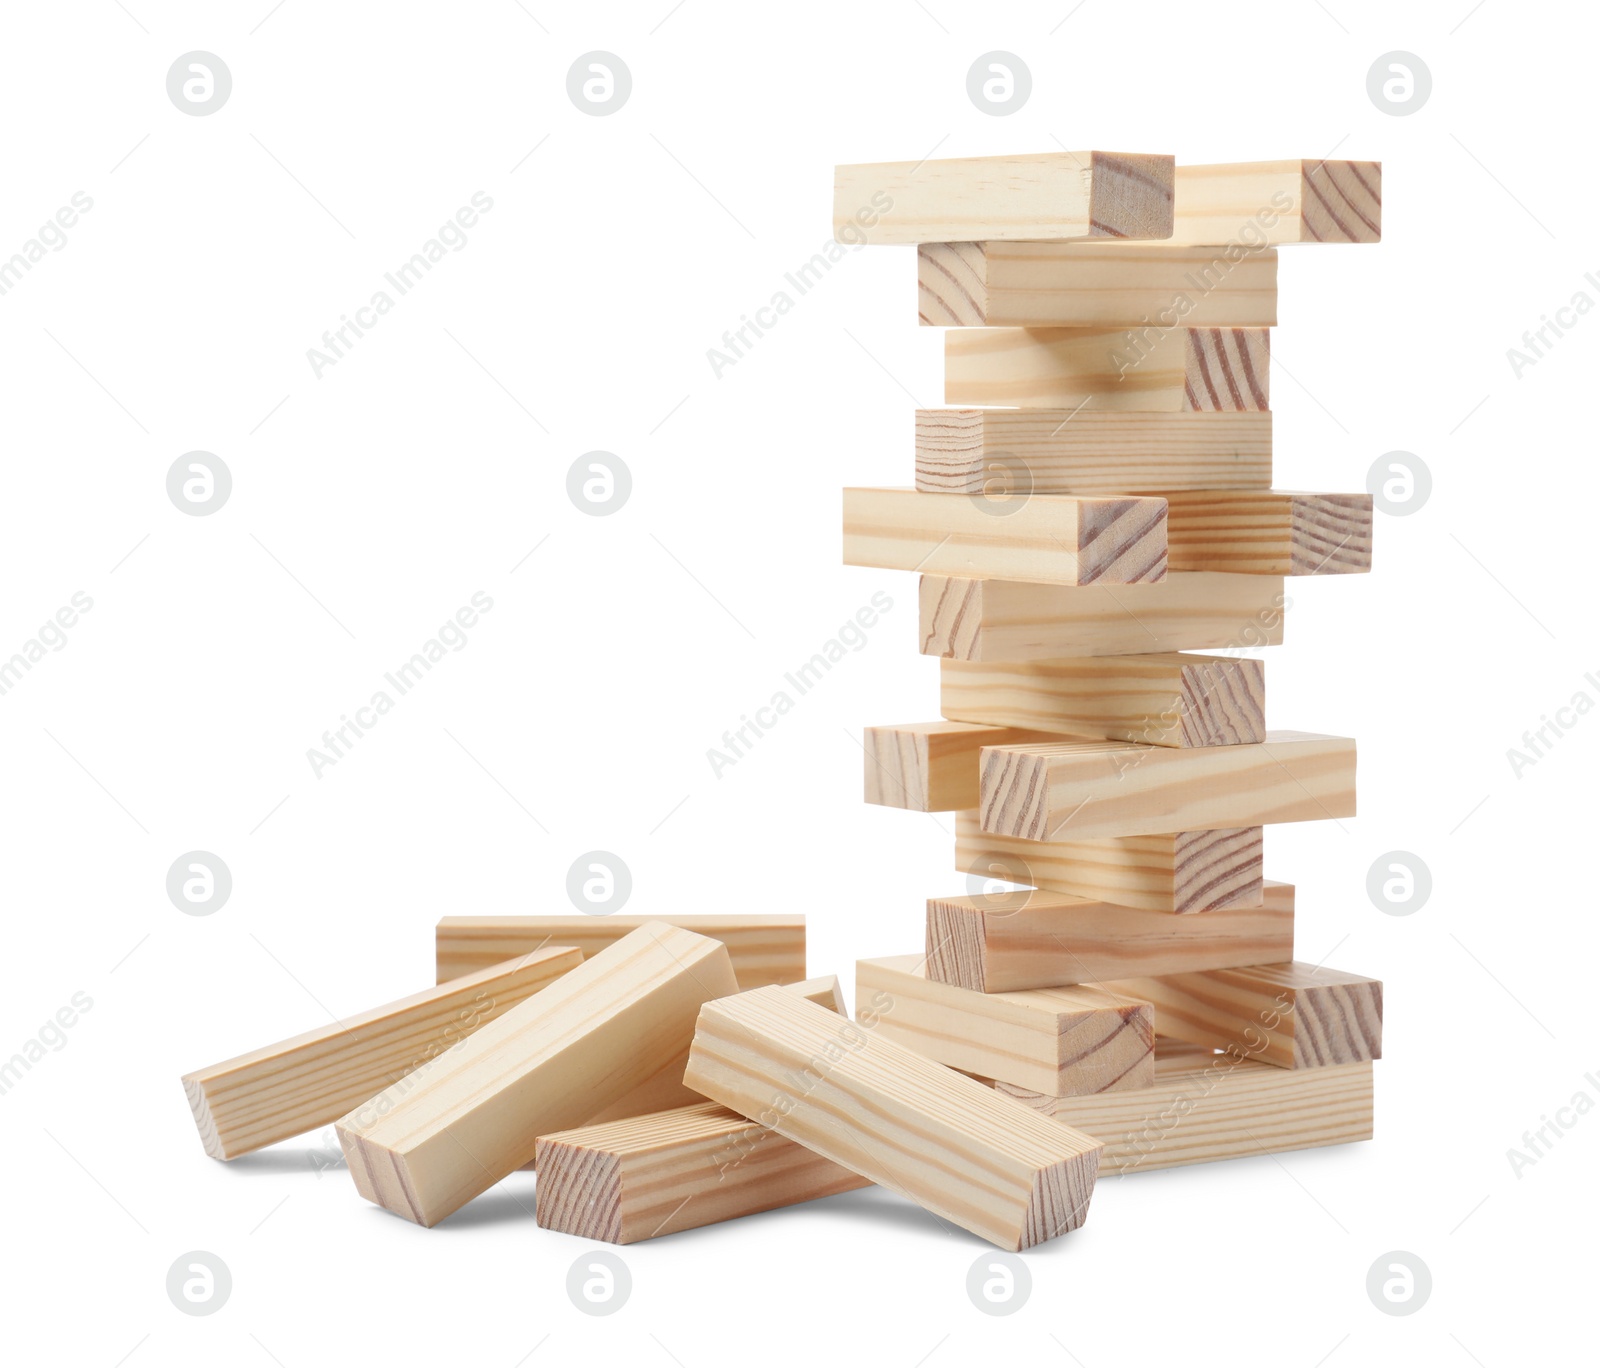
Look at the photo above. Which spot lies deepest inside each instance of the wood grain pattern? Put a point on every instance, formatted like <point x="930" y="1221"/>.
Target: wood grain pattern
<point x="1274" y="532"/>
<point x="1048" y="538"/>
<point x="1178" y="872"/>
<point x="931" y="766"/>
<point x="1207" y="1106"/>
<point x="1076" y="790"/>
<point x="764" y="948"/>
<point x="1057" y="451"/>
<point x="1061" y="1040"/>
<point x="1004" y="620"/>
<point x="982" y="1161"/>
<point x="1013" y="941"/>
<point x="1278" y="202"/>
<point x="1165" y="699"/>
<point x="1296" y="1016"/>
<point x="313" y="1079"/>
<point x="1094" y="284"/>
<point x="430" y="1143"/>
<point x="1152" y="369"/>
<point x="1045" y="195"/>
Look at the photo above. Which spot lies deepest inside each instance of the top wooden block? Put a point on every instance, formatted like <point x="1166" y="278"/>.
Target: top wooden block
<point x="1274" y="202"/>
<point x="1038" y="197"/>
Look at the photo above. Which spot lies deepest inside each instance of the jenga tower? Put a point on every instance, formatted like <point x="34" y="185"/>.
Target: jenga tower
<point x="1096" y="517"/>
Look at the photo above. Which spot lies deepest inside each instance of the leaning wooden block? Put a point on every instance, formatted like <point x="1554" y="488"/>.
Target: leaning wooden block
<point x="1000" y="452"/>
<point x="1048" y="538"/>
<point x="1157" y="370"/>
<point x="764" y="949"/>
<point x="1279" y="201"/>
<point x="1095" y="284"/>
<point x="1169" y="699"/>
<point x="1003" y="620"/>
<point x="1207" y="1106"/>
<point x="429" y="1144"/>
<point x="1077" y="790"/>
<point x="982" y="1161"/>
<point x="1272" y="532"/>
<point x="313" y="1079"/>
<point x="1297" y="1016"/>
<point x="1060" y="1040"/>
<point x="1010" y="942"/>
<point x="1175" y="871"/>
<point x="931" y="766"/>
<point x="1040" y="196"/>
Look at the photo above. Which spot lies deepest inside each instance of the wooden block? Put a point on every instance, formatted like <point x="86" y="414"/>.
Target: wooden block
<point x="1095" y="284"/>
<point x="1011" y="942"/>
<point x="310" y="1080"/>
<point x="1045" y="195"/>
<point x="429" y="1144"/>
<point x="994" y="620"/>
<point x="1017" y="452"/>
<point x="674" y="1170"/>
<point x="1278" y="202"/>
<point x="985" y="1162"/>
<point x="1155" y="370"/>
<point x="1076" y="790"/>
<point x="1177" y="871"/>
<point x="1274" y="532"/>
<point x="931" y="766"/>
<point x="1170" y="699"/>
<point x="764" y="949"/>
<point x="1059" y="1040"/>
<point x="1297" y="1016"/>
<point x="1049" y="538"/>
<point x="1207" y="1106"/>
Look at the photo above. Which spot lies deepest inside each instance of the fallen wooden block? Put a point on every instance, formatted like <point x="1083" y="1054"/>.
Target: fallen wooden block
<point x="1057" y="451"/>
<point x="931" y="766"/>
<point x="430" y="1143"/>
<point x="1207" y="1106"/>
<point x="1044" y="195"/>
<point x="1177" y="871"/>
<point x="1014" y="941"/>
<point x="1168" y="699"/>
<point x="1077" y="790"/>
<point x="1057" y="1040"/>
<point x="764" y="949"/>
<point x="1278" y="202"/>
<point x="1156" y="370"/>
<point x="1095" y="284"/>
<point x="310" y="1080"/>
<point x="1003" y="620"/>
<point x="1272" y="532"/>
<point x="1297" y="1016"/>
<point x="985" y="1162"/>
<point x="1047" y="538"/>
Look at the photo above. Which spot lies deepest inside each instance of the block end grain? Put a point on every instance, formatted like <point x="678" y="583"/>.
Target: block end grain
<point x="1059" y="1201"/>
<point x="205" y="1123"/>
<point x="1131" y="195"/>
<point x="1222" y="701"/>
<point x="1122" y="541"/>
<point x="952" y="284"/>
<point x="579" y="1190"/>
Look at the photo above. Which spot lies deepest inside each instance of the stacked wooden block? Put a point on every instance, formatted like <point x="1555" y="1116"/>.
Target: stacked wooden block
<point x="1099" y="539"/>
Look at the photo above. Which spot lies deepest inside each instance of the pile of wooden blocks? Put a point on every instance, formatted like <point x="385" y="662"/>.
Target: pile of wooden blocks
<point x="1138" y="1005"/>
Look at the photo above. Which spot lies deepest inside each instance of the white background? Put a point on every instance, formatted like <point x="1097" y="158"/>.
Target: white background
<point x="368" y="505"/>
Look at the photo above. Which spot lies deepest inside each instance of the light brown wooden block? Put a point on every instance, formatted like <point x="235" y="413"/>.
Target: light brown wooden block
<point x="310" y="1080"/>
<point x="764" y="949"/>
<point x="1077" y="790"/>
<point x="1297" y="1016"/>
<point x="1176" y="871"/>
<point x="1003" y="620"/>
<point x="1012" y="942"/>
<point x="1060" y="1040"/>
<point x="1272" y="532"/>
<point x="429" y="1144"/>
<point x="1048" y="538"/>
<point x="1278" y="202"/>
<point x="1207" y="1106"/>
<point x="1001" y="452"/>
<point x="1169" y="699"/>
<point x="950" y="1144"/>
<point x="1156" y="370"/>
<point x="1095" y="284"/>
<point x="931" y="766"/>
<point x="1044" y="195"/>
